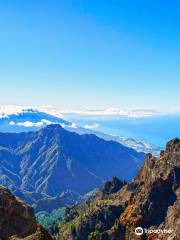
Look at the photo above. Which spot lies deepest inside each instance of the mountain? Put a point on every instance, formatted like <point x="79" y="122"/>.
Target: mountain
<point x="19" y="119"/>
<point x="28" y="119"/>
<point x="45" y="163"/>
<point x="64" y="199"/>
<point x="17" y="219"/>
<point x="147" y="208"/>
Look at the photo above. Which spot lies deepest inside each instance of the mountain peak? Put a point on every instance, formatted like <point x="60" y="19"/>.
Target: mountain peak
<point x="173" y="145"/>
<point x="53" y="130"/>
<point x="53" y="127"/>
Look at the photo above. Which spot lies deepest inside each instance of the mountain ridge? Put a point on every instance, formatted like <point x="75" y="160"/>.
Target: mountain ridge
<point x="52" y="160"/>
<point x="150" y="202"/>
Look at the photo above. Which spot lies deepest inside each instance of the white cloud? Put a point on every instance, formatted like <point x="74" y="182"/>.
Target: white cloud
<point x="73" y="125"/>
<point x="32" y="124"/>
<point x="29" y="124"/>
<point x="112" y="112"/>
<point x="47" y="122"/>
<point x="10" y="109"/>
<point x="6" y="110"/>
<point x="41" y="123"/>
<point x="12" y="123"/>
<point x="93" y="126"/>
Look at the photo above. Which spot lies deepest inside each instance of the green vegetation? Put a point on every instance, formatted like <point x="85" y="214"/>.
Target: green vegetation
<point x="5" y="189"/>
<point x="49" y="219"/>
<point x="93" y="235"/>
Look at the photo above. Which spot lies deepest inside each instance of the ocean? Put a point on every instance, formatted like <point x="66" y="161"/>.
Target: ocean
<point x="155" y="130"/>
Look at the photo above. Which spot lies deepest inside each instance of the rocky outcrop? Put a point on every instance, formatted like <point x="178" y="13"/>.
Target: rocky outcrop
<point x="111" y="186"/>
<point x="17" y="220"/>
<point x="151" y="201"/>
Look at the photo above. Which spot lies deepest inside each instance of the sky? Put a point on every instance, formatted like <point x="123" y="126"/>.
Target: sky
<point x="92" y="54"/>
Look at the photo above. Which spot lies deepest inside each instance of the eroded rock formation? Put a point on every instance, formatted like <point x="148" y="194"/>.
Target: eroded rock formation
<point x="17" y="220"/>
<point x="151" y="201"/>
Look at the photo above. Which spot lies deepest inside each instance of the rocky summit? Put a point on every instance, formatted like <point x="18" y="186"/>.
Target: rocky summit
<point x="17" y="220"/>
<point x="151" y="202"/>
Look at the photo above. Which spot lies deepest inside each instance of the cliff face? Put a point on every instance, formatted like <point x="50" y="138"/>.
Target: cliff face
<point x="151" y="201"/>
<point x="17" y="220"/>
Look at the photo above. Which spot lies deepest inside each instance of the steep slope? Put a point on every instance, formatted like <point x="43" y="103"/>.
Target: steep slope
<point x="45" y="163"/>
<point x="17" y="220"/>
<point x="151" y="201"/>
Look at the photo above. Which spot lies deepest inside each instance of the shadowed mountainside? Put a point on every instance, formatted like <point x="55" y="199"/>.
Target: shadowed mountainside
<point x="46" y="163"/>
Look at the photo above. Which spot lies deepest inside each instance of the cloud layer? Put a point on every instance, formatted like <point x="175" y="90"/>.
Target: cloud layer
<point x="5" y="111"/>
<point x="31" y="124"/>
<point x="91" y="126"/>
<point x="113" y="112"/>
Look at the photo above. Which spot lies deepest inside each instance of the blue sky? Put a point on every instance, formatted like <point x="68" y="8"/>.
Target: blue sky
<point x="90" y="54"/>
